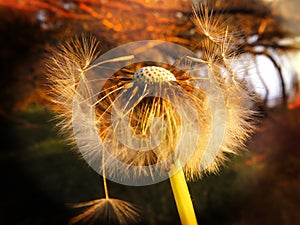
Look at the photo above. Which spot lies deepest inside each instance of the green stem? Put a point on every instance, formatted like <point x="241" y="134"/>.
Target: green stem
<point x="182" y="196"/>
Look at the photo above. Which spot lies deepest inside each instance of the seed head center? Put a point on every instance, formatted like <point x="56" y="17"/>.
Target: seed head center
<point x="153" y="74"/>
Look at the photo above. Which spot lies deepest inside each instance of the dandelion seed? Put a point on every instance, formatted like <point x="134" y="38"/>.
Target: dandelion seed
<point x="66" y="68"/>
<point x="210" y="23"/>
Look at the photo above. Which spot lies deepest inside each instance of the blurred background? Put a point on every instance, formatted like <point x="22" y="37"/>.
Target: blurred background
<point x="41" y="173"/>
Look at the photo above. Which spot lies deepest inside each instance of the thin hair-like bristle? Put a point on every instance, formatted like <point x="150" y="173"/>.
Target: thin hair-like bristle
<point x="106" y="211"/>
<point x="210" y="23"/>
<point x="65" y="68"/>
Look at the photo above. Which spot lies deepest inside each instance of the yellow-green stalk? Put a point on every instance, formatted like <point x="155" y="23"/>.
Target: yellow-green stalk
<point x="182" y="196"/>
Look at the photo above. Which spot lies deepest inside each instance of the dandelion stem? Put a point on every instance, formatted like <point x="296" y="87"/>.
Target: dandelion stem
<point x="182" y="196"/>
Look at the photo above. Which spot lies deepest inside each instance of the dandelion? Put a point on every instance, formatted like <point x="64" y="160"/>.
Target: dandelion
<point x="152" y="119"/>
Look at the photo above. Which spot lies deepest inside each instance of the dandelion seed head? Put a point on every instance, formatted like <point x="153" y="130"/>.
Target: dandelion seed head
<point x="146" y="116"/>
